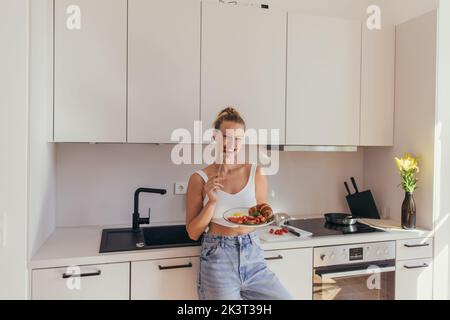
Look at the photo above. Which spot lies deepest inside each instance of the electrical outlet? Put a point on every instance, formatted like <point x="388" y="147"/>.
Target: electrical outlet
<point x="180" y="187"/>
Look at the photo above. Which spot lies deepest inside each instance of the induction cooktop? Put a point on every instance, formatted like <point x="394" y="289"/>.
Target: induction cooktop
<point x="319" y="227"/>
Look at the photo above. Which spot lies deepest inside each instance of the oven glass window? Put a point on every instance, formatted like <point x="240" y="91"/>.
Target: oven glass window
<point x="380" y="286"/>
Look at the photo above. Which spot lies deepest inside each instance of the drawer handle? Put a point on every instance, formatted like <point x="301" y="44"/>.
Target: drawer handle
<point x="189" y="265"/>
<point x="425" y="265"/>
<point x="279" y="257"/>
<point x="417" y="245"/>
<point x="87" y="274"/>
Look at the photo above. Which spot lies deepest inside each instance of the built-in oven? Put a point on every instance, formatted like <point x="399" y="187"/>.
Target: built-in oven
<point x="355" y="272"/>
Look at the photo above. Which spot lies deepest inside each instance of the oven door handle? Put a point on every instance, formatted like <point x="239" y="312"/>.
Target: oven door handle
<point x="352" y="273"/>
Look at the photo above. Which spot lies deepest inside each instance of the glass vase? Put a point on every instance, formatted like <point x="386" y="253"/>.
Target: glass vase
<point x="409" y="211"/>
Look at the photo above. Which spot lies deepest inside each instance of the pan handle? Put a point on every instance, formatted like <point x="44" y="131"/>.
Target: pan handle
<point x="354" y="184"/>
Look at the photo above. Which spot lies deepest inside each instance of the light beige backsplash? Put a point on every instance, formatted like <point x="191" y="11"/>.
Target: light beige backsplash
<point x="96" y="183"/>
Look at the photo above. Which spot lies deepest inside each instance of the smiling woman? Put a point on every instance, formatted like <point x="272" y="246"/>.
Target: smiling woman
<point x="229" y="248"/>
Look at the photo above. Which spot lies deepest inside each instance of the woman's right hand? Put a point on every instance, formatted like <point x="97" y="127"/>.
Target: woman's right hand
<point x="212" y="186"/>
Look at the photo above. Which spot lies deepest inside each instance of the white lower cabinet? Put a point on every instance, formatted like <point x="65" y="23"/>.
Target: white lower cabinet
<point x="414" y="249"/>
<point x="414" y="279"/>
<point x="94" y="282"/>
<point x="166" y="279"/>
<point x="176" y="279"/>
<point x="414" y="269"/>
<point x="294" y="270"/>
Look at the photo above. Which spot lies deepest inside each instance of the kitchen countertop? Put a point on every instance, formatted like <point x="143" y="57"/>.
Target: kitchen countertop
<point x="80" y="246"/>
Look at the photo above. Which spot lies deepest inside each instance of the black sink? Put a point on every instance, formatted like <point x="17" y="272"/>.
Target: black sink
<point x="114" y="240"/>
<point x="167" y="236"/>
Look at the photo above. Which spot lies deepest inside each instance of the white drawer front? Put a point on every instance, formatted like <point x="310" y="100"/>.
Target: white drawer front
<point x="166" y="279"/>
<point x="414" y="279"/>
<point x="96" y="282"/>
<point x="294" y="270"/>
<point x="414" y="249"/>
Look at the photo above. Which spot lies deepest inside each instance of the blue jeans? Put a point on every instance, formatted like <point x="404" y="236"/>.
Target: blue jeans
<point x="234" y="268"/>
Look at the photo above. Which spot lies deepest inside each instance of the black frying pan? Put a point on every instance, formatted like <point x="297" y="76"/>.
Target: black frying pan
<point x="343" y="219"/>
<point x="344" y="229"/>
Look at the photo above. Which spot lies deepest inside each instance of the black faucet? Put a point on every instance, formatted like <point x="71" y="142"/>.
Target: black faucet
<point x="137" y="220"/>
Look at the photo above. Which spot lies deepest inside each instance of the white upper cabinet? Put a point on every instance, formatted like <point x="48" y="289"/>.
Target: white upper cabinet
<point x="136" y="70"/>
<point x="377" y="86"/>
<point x="90" y="70"/>
<point x="244" y="64"/>
<point x="164" y="68"/>
<point x="323" y="81"/>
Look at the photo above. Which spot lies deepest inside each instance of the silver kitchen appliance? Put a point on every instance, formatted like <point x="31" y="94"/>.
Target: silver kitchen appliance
<point x="355" y="272"/>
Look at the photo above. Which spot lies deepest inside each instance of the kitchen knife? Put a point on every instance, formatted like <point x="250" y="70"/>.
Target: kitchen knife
<point x="354" y="184"/>
<point x="346" y="187"/>
<point x="292" y="230"/>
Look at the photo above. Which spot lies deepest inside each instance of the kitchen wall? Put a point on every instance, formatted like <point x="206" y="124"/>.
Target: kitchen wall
<point x="13" y="147"/>
<point x="441" y="284"/>
<point x="414" y="121"/>
<point x="95" y="183"/>
<point x="42" y="158"/>
<point x="400" y="11"/>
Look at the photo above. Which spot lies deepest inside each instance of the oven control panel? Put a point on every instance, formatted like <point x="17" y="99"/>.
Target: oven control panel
<point x="355" y="253"/>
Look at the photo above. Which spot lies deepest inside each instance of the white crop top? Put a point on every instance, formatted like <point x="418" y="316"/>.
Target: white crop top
<point x="244" y="198"/>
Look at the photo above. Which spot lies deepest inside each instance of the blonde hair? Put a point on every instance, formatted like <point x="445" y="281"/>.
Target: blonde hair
<point x="228" y="114"/>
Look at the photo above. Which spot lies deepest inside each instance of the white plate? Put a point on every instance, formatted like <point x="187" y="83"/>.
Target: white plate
<point x="243" y="212"/>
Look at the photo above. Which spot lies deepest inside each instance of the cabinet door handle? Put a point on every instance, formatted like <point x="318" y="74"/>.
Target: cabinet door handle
<point x="279" y="257"/>
<point x="425" y="265"/>
<point x="189" y="265"/>
<point x="417" y="245"/>
<point x="87" y="274"/>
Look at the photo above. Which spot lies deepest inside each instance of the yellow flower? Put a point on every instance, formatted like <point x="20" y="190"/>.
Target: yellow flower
<point x="399" y="163"/>
<point x="407" y="163"/>
<point x="408" y="167"/>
